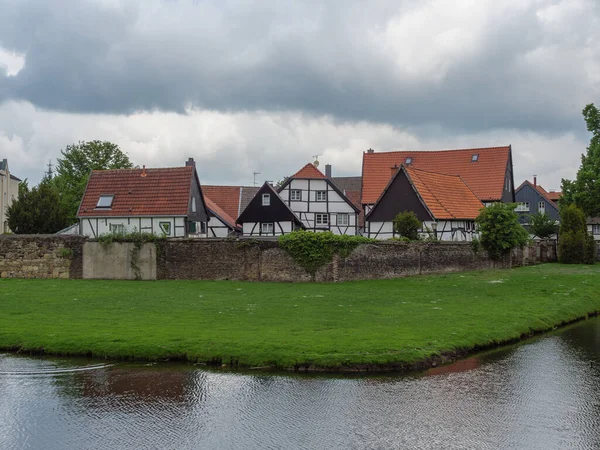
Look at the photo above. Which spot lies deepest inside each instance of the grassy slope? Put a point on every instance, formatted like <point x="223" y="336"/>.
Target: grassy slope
<point x="367" y="322"/>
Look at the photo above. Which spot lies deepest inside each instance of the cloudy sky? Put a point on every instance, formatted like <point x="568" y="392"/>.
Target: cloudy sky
<point x="263" y="86"/>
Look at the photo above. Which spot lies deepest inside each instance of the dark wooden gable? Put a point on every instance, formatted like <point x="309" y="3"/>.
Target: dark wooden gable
<point x="277" y="211"/>
<point x="201" y="214"/>
<point x="397" y="197"/>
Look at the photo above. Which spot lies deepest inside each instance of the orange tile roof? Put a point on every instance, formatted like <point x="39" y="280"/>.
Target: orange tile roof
<point x="226" y="197"/>
<point x="354" y="197"/>
<point x="485" y="177"/>
<point x="554" y="196"/>
<point x="217" y="211"/>
<point x="161" y="192"/>
<point x="446" y="196"/>
<point x="309" y="171"/>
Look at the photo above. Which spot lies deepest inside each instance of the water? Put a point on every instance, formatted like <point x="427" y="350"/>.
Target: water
<point x="543" y="394"/>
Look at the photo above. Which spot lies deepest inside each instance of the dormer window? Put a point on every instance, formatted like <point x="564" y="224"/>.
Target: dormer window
<point x="408" y="160"/>
<point x="475" y="157"/>
<point x="105" y="201"/>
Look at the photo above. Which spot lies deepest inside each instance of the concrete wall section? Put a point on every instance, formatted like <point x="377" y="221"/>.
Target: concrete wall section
<point x="119" y="261"/>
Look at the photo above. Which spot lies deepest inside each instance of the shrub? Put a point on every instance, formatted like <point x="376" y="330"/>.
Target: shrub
<point x="542" y="225"/>
<point x="575" y="244"/>
<point x="407" y="225"/>
<point x="134" y="236"/>
<point x="500" y="229"/>
<point x="476" y="245"/>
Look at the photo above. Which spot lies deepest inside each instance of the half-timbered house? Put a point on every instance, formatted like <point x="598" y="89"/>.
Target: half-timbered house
<point x="444" y="204"/>
<point x="220" y="224"/>
<point x="267" y="215"/>
<point x="319" y="203"/>
<point x="164" y="201"/>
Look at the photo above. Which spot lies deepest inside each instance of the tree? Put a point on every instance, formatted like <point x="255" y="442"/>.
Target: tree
<point x="542" y="225"/>
<point x="575" y="244"/>
<point x="407" y="225"/>
<point x="500" y="229"/>
<point x="74" y="168"/>
<point x="37" y="211"/>
<point x="584" y="191"/>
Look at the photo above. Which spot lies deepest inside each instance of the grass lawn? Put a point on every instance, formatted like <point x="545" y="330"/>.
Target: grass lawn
<point x="401" y="321"/>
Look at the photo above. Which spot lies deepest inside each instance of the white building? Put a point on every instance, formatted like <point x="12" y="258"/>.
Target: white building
<point x="220" y="224"/>
<point x="593" y="226"/>
<point x="318" y="203"/>
<point x="9" y="191"/>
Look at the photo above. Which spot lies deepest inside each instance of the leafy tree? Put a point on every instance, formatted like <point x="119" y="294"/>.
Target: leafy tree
<point x="74" y="168"/>
<point x="37" y="211"/>
<point x="500" y="229"/>
<point x="575" y="244"/>
<point x="584" y="191"/>
<point x="542" y="225"/>
<point x="407" y="225"/>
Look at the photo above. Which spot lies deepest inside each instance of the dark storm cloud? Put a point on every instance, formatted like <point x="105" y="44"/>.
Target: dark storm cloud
<point x="404" y="63"/>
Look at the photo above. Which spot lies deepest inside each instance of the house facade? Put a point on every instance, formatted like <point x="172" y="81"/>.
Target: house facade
<point x="220" y="224"/>
<point x="444" y="204"/>
<point x="593" y="226"/>
<point x="267" y="215"/>
<point x="9" y="191"/>
<point x="531" y="199"/>
<point x="319" y="203"/>
<point x="164" y="201"/>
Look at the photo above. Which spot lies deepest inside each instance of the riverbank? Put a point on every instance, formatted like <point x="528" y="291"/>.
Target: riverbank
<point x="401" y="324"/>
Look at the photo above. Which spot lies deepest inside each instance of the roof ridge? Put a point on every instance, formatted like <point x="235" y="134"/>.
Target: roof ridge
<point x="440" y="151"/>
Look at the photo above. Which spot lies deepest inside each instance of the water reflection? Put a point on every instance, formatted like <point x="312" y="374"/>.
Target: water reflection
<point x="543" y="394"/>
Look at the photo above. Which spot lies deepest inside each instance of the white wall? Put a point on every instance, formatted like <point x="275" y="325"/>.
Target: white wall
<point x="254" y="228"/>
<point x="9" y="191"/>
<point x="217" y="228"/>
<point x="94" y="227"/>
<point x="447" y="230"/>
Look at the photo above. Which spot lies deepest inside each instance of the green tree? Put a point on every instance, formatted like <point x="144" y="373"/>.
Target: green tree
<point x="37" y="210"/>
<point x="575" y="244"/>
<point x="542" y="225"/>
<point x="584" y="191"/>
<point x="77" y="162"/>
<point x="500" y="229"/>
<point x="407" y="225"/>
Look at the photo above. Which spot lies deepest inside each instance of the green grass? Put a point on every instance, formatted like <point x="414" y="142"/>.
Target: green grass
<point x="402" y="321"/>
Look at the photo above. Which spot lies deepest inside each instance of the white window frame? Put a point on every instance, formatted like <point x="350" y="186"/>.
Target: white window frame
<point x="266" y="199"/>
<point x="267" y="228"/>
<point x="595" y="229"/>
<point x="295" y="195"/>
<point x="541" y="206"/>
<point x="345" y="221"/>
<point x="320" y="196"/>
<point x="116" y="228"/>
<point x="319" y="219"/>
<point x="470" y="226"/>
<point x="522" y="207"/>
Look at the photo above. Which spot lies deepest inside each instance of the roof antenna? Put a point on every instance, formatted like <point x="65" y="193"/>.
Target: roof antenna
<point x="255" y="173"/>
<point x="316" y="163"/>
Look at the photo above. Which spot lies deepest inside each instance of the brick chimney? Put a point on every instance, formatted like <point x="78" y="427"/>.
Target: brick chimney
<point x="328" y="170"/>
<point x="535" y="181"/>
<point x="190" y="162"/>
<point x="394" y="170"/>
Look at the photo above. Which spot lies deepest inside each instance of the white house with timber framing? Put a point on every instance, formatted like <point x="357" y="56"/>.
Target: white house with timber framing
<point x="220" y="224"/>
<point x="319" y="203"/>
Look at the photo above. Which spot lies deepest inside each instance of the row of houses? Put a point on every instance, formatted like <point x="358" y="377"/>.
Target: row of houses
<point x="445" y="189"/>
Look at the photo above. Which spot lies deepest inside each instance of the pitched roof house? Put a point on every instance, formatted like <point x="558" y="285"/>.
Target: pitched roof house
<point x="165" y="201"/>
<point x="220" y="224"/>
<point x="231" y="199"/>
<point x="444" y="203"/>
<point x="319" y="203"/>
<point x="531" y="199"/>
<point x="487" y="171"/>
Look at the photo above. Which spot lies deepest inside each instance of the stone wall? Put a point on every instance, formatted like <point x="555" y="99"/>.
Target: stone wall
<point x="41" y="256"/>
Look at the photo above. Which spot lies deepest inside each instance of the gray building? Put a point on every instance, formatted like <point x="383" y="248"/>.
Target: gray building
<point x="531" y="199"/>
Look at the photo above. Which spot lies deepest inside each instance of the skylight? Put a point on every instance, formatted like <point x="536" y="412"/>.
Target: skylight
<point x="474" y="158"/>
<point x="408" y="160"/>
<point x="105" y="201"/>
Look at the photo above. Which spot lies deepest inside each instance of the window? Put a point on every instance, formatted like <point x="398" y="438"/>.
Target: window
<point x="595" y="229"/>
<point x="321" y="219"/>
<point x="542" y="207"/>
<point x="266" y="199"/>
<point x="266" y="228"/>
<point x="105" y="201"/>
<point x="203" y="227"/>
<point x="474" y="158"/>
<point x="343" y="219"/>
<point x="192" y="227"/>
<point x="469" y="226"/>
<point x="522" y="207"/>
<point x="116" y="228"/>
<point x="408" y="160"/>
<point x="193" y="204"/>
<point x="295" y="195"/>
<point x="321" y="196"/>
<point x="165" y="227"/>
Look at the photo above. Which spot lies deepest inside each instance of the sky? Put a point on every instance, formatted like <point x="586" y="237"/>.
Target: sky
<point x="264" y="86"/>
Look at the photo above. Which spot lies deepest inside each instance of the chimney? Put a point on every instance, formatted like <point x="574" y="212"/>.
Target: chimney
<point x="535" y="181"/>
<point x="328" y="170"/>
<point x="394" y="170"/>
<point x="143" y="171"/>
<point x="190" y="162"/>
<point x="370" y="151"/>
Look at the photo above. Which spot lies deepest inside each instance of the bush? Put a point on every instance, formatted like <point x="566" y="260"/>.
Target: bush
<point x="407" y="225"/>
<point x="575" y="244"/>
<point x="476" y="245"/>
<point x="542" y="225"/>
<point x="500" y="229"/>
<point x="134" y="236"/>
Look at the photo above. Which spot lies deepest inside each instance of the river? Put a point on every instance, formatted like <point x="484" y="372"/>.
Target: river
<point x="541" y="394"/>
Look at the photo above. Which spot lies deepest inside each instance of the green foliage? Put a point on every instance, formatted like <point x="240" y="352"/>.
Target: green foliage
<point x="134" y="236"/>
<point x="74" y="168"/>
<point x="500" y="229"/>
<point x="575" y="244"/>
<point x="584" y="191"/>
<point x="476" y="245"/>
<point x="407" y="225"/>
<point x="542" y="225"/>
<point x="65" y="252"/>
<point x="313" y="250"/>
<point x="37" y="210"/>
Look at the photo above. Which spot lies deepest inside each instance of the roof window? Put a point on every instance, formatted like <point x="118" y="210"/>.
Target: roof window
<point x="408" y="160"/>
<point x="475" y="157"/>
<point x="105" y="201"/>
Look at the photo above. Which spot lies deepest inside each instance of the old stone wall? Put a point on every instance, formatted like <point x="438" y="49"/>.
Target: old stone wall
<point x="41" y="256"/>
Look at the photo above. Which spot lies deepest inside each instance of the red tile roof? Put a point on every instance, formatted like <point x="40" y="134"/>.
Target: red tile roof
<point x="554" y="196"/>
<point x="217" y="211"/>
<point x="309" y="171"/>
<point x="354" y="197"/>
<point x="227" y="197"/>
<point x="485" y="177"/>
<point x="161" y="192"/>
<point x="446" y="196"/>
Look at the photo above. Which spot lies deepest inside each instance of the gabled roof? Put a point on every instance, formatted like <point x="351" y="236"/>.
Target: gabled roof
<point x="554" y="195"/>
<point x="309" y="171"/>
<point x="539" y="189"/>
<point x="254" y="212"/>
<point x="216" y="211"/>
<point x="485" y="176"/>
<point x="231" y="199"/>
<point x="160" y="192"/>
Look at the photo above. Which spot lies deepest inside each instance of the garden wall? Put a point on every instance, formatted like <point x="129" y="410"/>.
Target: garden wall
<point x="229" y="259"/>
